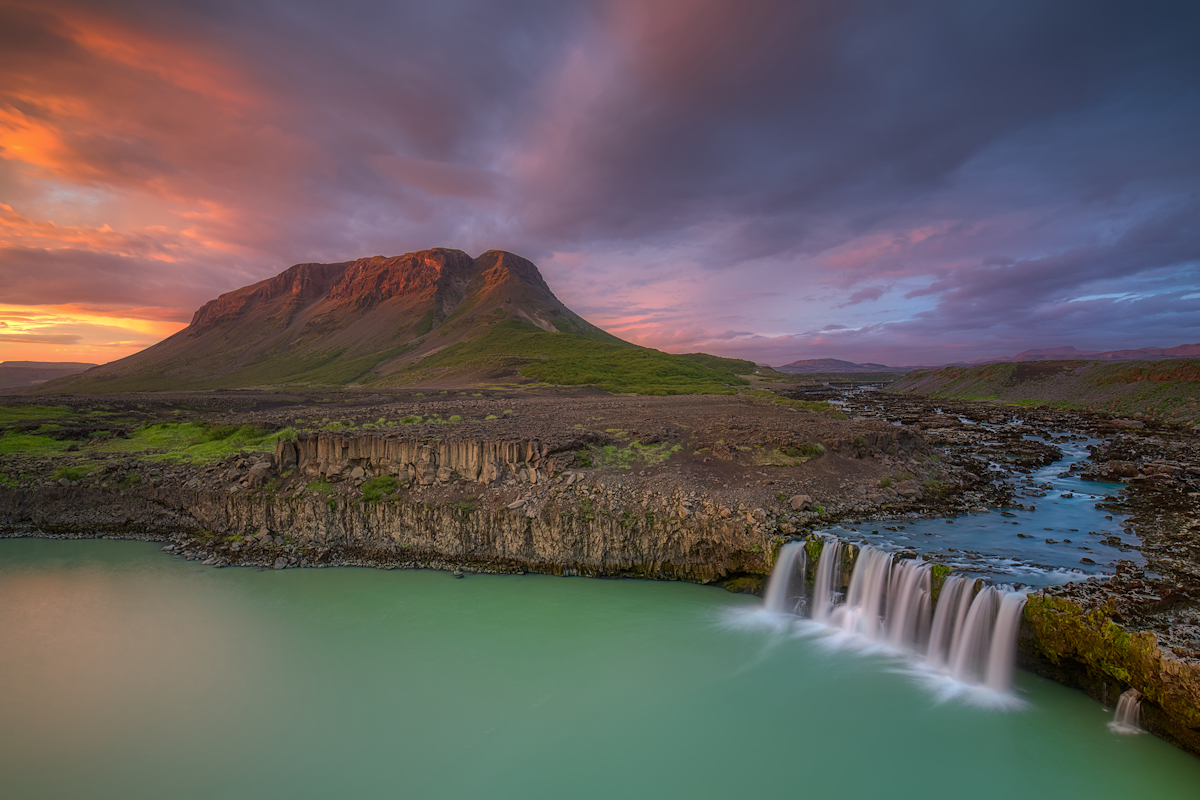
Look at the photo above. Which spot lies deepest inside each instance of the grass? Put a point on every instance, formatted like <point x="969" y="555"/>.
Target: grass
<point x="612" y="456"/>
<point x="193" y="441"/>
<point x="767" y="396"/>
<point x="33" y="444"/>
<point x="73" y="473"/>
<point x="789" y="456"/>
<point x="375" y="488"/>
<point x="11" y="414"/>
<point x="572" y="359"/>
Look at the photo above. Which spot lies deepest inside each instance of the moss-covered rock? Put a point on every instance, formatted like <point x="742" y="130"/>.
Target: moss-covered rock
<point x="1083" y="646"/>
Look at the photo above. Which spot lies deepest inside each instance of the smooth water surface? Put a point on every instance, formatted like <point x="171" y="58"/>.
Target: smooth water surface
<point x="129" y="674"/>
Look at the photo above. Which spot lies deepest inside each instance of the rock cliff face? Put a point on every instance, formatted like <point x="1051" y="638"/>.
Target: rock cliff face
<point x="329" y="455"/>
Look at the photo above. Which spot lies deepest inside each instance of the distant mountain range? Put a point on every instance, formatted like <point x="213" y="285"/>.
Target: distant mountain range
<point x="14" y="374"/>
<point x="833" y="365"/>
<point x="811" y="366"/>
<point x="431" y="318"/>
<point x="1071" y="354"/>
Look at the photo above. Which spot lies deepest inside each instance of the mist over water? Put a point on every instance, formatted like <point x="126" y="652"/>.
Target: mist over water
<point x="128" y="674"/>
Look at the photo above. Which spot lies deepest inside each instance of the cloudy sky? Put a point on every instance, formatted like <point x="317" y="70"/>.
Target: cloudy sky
<point x="907" y="183"/>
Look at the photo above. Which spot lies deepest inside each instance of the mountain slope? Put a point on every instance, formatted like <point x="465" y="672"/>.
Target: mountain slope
<point x="434" y="316"/>
<point x="1166" y="388"/>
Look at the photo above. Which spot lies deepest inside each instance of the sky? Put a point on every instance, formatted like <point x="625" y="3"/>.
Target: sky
<point x="902" y="183"/>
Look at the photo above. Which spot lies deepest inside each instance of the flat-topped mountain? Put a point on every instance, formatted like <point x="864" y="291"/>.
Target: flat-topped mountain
<point x="434" y="317"/>
<point x="809" y="366"/>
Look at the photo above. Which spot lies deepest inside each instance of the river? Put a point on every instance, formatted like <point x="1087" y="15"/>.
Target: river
<point x="131" y="674"/>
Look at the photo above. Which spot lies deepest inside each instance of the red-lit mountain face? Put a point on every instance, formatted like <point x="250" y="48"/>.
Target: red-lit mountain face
<point x="343" y="323"/>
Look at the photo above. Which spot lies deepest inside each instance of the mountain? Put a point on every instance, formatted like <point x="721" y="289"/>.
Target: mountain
<point x="821" y="365"/>
<point x="434" y="317"/>
<point x="30" y="373"/>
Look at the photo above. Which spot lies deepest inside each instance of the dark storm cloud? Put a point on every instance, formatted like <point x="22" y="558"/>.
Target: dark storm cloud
<point x="830" y="176"/>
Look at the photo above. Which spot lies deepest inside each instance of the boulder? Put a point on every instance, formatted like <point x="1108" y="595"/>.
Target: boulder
<point x="800" y="502"/>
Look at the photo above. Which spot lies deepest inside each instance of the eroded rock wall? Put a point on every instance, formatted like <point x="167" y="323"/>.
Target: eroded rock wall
<point x="333" y="455"/>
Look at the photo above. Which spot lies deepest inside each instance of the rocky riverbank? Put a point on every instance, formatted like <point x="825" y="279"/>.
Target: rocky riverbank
<point x="1139" y="628"/>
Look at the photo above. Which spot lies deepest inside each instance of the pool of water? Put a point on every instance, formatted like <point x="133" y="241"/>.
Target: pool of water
<point x="1040" y="547"/>
<point x="129" y="674"/>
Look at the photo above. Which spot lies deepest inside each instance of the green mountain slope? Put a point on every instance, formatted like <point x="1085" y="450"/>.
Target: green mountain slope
<point x="1168" y="389"/>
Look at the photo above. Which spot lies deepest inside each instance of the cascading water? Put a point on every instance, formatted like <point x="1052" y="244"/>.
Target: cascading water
<point x="1128" y="716"/>
<point x="786" y="590"/>
<point x="829" y="571"/>
<point x="971" y="635"/>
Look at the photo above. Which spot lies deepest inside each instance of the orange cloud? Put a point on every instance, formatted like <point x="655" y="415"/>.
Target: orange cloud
<point x="65" y="333"/>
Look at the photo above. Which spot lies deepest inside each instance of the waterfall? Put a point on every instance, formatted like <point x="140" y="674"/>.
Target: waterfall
<point x="1003" y="650"/>
<point x="909" y="604"/>
<point x="945" y="621"/>
<point x="829" y="571"/>
<point x="968" y="655"/>
<point x="785" y="594"/>
<point x="971" y="635"/>
<point x="863" y="610"/>
<point x="1128" y="716"/>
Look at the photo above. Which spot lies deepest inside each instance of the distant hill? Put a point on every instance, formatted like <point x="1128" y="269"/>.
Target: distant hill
<point x="431" y="318"/>
<point x="821" y="365"/>
<point x="15" y="374"/>
<point x="1164" y="388"/>
<point x="1135" y="354"/>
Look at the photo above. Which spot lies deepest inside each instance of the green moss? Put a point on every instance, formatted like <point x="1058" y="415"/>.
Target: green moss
<point x="745" y="584"/>
<point x="938" y="575"/>
<point x="788" y="456"/>
<point x="613" y="456"/>
<point x="193" y="442"/>
<point x="322" y="488"/>
<point x="73" y="473"/>
<point x="466" y="506"/>
<point x="1062" y="629"/>
<point x="375" y="488"/>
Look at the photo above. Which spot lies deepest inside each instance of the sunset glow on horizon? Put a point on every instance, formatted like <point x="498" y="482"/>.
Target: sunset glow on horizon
<point x="773" y="181"/>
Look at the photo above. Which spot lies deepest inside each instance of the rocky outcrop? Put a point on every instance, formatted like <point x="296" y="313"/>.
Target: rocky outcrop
<point x="331" y="455"/>
<point x="567" y="532"/>
<point x="1081" y="644"/>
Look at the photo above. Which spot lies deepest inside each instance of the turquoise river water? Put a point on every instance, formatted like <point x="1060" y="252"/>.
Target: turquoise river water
<point x="129" y="674"/>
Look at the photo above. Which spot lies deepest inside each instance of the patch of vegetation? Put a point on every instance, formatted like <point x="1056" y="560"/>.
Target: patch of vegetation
<point x="11" y="414"/>
<point x="194" y="441"/>
<point x="76" y="472"/>
<point x="37" y="444"/>
<point x="885" y="482"/>
<point x="787" y="456"/>
<point x="612" y="456"/>
<point x="767" y="396"/>
<point x="374" y="489"/>
<point x="323" y="488"/>
<point x="466" y="506"/>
